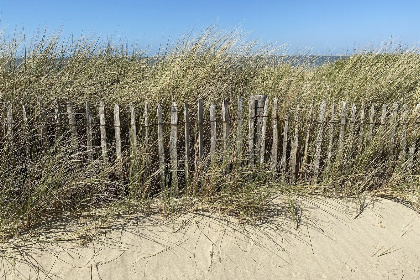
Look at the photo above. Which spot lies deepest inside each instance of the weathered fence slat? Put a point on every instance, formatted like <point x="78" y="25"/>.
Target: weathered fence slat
<point x="103" y="130"/>
<point x="393" y="123"/>
<point x="403" y="139"/>
<point x="146" y="149"/>
<point x="331" y="138"/>
<point x="382" y="127"/>
<point x="360" y="145"/>
<point x="226" y="126"/>
<point x="383" y="116"/>
<point x="161" y="151"/>
<point x="251" y="128"/>
<point x="89" y="137"/>
<point x="4" y="119"/>
<point x="200" y="130"/>
<point x="275" y="145"/>
<point x="72" y="125"/>
<point x="25" y="129"/>
<point x="318" y="143"/>
<point x="417" y="136"/>
<point x="414" y="140"/>
<point x="9" y="122"/>
<point x="348" y="156"/>
<point x="187" y="146"/>
<point x="42" y="128"/>
<point x="57" y="122"/>
<point x="342" y="131"/>
<point x="259" y="136"/>
<point x="212" y="132"/>
<point x="304" y="167"/>
<point x="133" y="132"/>
<point x="117" y="128"/>
<point x="199" y="146"/>
<point x="294" y="146"/>
<point x="264" y="118"/>
<point x="239" y="139"/>
<point x="283" y="164"/>
<point x="371" y="123"/>
<point x="173" y="149"/>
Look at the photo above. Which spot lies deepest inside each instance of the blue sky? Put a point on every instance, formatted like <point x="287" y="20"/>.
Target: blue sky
<point x="325" y="27"/>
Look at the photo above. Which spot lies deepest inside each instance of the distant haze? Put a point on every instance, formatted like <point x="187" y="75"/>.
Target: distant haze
<point x="309" y="60"/>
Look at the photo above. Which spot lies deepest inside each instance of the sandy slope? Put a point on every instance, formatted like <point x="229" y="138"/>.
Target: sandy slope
<point x="329" y="243"/>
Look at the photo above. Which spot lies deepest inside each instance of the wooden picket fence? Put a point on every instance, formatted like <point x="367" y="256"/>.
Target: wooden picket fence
<point x="298" y="144"/>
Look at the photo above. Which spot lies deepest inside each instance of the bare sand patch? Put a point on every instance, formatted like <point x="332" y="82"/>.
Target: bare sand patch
<point x="329" y="239"/>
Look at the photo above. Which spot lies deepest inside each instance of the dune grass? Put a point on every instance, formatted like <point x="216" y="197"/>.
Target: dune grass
<point x="212" y="66"/>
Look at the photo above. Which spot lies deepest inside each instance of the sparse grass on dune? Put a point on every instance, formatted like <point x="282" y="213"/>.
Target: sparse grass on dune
<point x="212" y="66"/>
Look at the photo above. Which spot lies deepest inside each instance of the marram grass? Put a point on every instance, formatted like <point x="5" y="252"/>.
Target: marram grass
<point x="212" y="66"/>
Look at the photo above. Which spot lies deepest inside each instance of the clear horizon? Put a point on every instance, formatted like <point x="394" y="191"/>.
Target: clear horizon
<point x="321" y="27"/>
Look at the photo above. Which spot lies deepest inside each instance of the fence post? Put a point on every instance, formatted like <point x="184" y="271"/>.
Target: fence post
<point x="89" y="132"/>
<point x="103" y="130"/>
<point x="318" y="143"/>
<point x="294" y="148"/>
<point x="274" y="147"/>
<point x="212" y="132"/>
<point x="161" y="151"/>
<point x="173" y="152"/>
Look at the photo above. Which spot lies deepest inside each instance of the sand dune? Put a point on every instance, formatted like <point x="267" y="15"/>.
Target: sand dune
<point x="330" y="241"/>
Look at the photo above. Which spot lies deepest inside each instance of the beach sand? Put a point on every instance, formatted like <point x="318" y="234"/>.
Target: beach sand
<point x="329" y="239"/>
